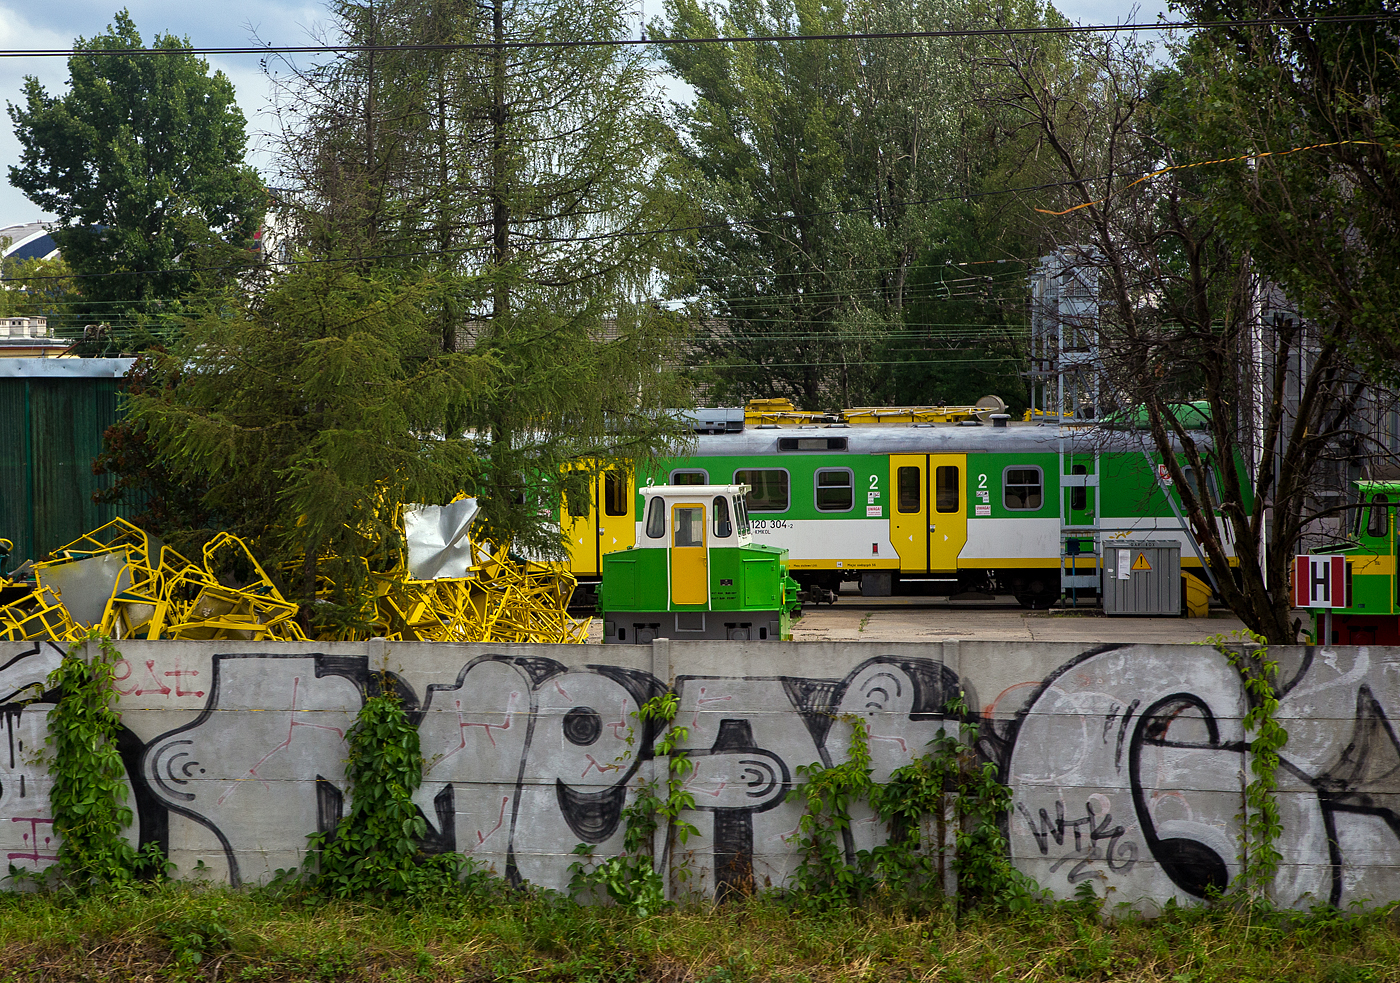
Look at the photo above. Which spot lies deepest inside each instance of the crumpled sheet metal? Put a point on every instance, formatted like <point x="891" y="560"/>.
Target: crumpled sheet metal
<point x="444" y="587"/>
<point x="116" y="580"/>
<point x="438" y="540"/>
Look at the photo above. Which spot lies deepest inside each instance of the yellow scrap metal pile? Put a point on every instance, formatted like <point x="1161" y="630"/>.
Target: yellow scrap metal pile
<point x="118" y="581"/>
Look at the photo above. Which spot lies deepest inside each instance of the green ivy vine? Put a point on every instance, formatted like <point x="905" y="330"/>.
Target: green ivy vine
<point x="1260" y="826"/>
<point x="88" y="790"/>
<point x="375" y="849"/>
<point x="631" y="879"/>
<point x="947" y="783"/>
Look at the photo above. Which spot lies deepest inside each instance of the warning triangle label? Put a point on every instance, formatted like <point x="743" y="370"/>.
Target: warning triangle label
<point x="1141" y="562"/>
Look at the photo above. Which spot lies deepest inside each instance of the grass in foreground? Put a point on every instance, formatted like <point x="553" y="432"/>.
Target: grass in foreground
<point x="179" y="932"/>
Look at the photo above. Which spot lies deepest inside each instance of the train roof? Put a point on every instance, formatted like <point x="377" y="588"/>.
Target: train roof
<point x="1015" y="438"/>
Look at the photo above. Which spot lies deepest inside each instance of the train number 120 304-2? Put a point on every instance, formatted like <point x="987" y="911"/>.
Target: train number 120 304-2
<point x="766" y="525"/>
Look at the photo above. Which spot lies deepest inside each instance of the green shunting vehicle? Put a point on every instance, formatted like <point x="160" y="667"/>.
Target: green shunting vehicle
<point x="1366" y="609"/>
<point x="695" y="574"/>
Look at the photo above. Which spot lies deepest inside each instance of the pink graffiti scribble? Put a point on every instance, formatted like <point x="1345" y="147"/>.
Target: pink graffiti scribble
<point x="702" y="701"/>
<point x="138" y="690"/>
<point x="33" y="854"/>
<point x="898" y="740"/>
<point x="618" y="725"/>
<point x="463" y="725"/>
<point x="292" y="725"/>
<point x="176" y="673"/>
<point x="483" y="837"/>
<point x="561" y="691"/>
<point x="690" y="784"/>
<point x="593" y="763"/>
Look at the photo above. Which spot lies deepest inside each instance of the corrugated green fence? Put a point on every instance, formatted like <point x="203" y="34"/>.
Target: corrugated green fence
<point x="53" y="413"/>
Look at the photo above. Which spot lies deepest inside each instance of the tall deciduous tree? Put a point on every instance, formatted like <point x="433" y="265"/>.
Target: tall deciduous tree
<point x="142" y="162"/>
<point x="1147" y="202"/>
<point x="827" y="169"/>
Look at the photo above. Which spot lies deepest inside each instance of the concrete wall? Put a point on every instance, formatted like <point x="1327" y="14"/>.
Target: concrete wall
<point x="1126" y="762"/>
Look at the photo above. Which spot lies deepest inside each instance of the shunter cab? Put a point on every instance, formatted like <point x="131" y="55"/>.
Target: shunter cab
<point x="1365" y="600"/>
<point x="695" y="573"/>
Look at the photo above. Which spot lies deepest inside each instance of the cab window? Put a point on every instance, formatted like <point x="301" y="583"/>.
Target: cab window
<point x="768" y="488"/>
<point x="690" y="525"/>
<point x="1079" y="496"/>
<point x="1022" y="489"/>
<point x="723" y="527"/>
<point x="1378" y="522"/>
<point x="656" y="518"/>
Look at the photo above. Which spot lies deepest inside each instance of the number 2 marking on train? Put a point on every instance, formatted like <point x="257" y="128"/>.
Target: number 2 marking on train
<point x="981" y="482"/>
<point x="874" y="482"/>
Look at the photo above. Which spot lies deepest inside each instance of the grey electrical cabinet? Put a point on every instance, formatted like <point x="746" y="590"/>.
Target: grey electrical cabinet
<point x="1142" y="577"/>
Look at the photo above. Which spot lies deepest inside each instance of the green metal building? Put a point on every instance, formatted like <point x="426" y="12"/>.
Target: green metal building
<point x="53" y="413"/>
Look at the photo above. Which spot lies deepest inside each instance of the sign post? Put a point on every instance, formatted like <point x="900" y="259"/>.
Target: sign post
<point x="1323" y="583"/>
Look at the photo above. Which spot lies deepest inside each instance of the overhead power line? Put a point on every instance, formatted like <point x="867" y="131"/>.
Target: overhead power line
<point x="971" y="32"/>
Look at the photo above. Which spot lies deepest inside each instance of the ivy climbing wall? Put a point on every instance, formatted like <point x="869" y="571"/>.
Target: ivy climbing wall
<point x="1127" y="764"/>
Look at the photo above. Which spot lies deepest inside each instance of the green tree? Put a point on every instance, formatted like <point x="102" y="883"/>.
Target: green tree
<point x="1317" y="203"/>
<point x="141" y="160"/>
<point x="827" y="169"/>
<point x="522" y="182"/>
<point x="303" y="411"/>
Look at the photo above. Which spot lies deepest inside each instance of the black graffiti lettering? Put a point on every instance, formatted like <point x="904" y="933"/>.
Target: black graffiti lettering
<point x="1045" y="829"/>
<point x="1121" y="856"/>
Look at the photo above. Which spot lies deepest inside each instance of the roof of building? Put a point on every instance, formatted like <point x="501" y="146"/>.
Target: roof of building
<point x="29" y="241"/>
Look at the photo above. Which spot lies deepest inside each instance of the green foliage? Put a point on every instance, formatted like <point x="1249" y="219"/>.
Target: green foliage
<point x="946" y="783"/>
<point x="827" y="171"/>
<point x="1261" y="824"/>
<point x="375" y="850"/>
<point x="306" y="410"/>
<point x="89" y="789"/>
<point x="141" y="160"/>
<point x="824" y="878"/>
<point x="631" y="878"/>
<point x="529" y="935"/>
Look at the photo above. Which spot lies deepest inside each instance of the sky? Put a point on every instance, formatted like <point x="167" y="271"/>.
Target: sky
<point x="217" y="25"/>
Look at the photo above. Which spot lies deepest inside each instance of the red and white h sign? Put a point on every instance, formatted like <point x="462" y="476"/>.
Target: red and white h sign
<point x="1320" y="582"/>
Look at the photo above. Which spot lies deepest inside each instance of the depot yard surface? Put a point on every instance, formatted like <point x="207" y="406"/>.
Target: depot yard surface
<point x="934" y="619"/>
<point x="917" y="619"/>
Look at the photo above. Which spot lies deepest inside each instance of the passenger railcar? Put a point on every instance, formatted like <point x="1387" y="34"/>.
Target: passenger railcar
<point x="1007" y="508"/>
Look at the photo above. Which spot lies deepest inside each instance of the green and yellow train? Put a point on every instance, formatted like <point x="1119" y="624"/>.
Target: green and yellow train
<point x="990" y="505"/>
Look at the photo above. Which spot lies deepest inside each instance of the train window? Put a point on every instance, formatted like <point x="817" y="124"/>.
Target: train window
<point x="835" y="490"/>
<point x="689" y="478"/>
<point x="742" y="514"/>
<point x="656" y="518"/>
<point x="615" y="494"/>
<point x="768" y="488"/>
<point x="909" y="495"/>
<point x="1021" y="488"/>
<point x="1378" y="523"/>
<point x="946" y="489"/>
<point x="690" y="525"/>
<point x="1079" y="497"/>
<point x="723" y="527"/>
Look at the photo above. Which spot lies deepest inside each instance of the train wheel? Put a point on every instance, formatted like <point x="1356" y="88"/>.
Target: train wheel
<point x="1037" y="602"/>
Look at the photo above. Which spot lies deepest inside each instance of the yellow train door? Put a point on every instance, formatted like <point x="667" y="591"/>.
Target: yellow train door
<point x="578" y="522"/>
<point x="947" y="517"/>
<point x="690" y="573"/>
<point x="909" y="516"/>
<point x="617" y="525"/>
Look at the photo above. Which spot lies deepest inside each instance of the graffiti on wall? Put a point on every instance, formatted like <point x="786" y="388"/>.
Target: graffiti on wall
<point x="1126" y="763"/>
